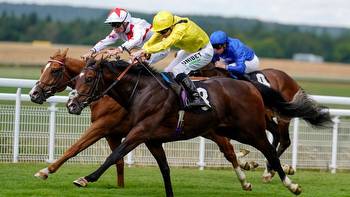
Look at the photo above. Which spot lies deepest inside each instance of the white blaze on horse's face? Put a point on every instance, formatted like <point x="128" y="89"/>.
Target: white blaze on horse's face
<point x="81" y="74"/>
<point x="47" y="66"/>
<point x="72" y="94"/>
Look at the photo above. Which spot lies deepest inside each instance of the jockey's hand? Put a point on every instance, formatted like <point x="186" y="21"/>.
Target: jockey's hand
<point x="114" y="51"/>
<point x="140" y="54"/>
<point x="220" y="64"/>
<point x="87" y="55"/>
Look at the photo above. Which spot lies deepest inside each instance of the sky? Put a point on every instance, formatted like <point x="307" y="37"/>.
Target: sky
<point x="335" y="13"/>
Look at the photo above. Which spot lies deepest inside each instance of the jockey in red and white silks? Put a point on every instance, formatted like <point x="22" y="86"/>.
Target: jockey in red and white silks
<point x="134" y="31"/>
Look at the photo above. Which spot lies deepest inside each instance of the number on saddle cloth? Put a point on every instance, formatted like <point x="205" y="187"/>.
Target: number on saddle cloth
<point x="259" y="77"/>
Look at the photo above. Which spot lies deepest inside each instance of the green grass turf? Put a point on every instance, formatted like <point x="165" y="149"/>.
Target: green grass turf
<point x="18" y="180"/>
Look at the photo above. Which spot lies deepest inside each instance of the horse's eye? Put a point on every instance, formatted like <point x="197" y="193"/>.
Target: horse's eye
<point x="88" y="79"/>
<point x="56" y="72"/>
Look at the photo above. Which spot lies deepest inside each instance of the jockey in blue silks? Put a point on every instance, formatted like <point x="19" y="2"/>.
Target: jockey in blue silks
<point x="233" y="55"/>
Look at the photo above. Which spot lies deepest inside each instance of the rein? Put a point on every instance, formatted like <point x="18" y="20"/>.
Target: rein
<point x="140" y="62"/>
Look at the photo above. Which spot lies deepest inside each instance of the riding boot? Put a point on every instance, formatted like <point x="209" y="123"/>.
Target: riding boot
<point x="195" y="99"/>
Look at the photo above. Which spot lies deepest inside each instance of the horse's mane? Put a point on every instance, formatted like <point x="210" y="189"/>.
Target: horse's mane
<point x="122" y="64"/>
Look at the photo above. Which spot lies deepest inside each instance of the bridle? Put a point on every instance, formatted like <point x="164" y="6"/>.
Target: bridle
<point x="93" y="94"/>
<point x="49" y="89"/>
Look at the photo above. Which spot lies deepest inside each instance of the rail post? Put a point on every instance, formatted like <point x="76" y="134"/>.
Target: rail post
<point x="201" y="162"/>
<point x="334" y="144"/>
<point x="52" y="130"/>
<point x="295" y="143"/>
<point x="17" y="126"/>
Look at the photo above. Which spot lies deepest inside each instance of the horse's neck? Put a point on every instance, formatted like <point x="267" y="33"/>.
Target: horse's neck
<point x="133" y="88"/>
<point x="74" y="66"/>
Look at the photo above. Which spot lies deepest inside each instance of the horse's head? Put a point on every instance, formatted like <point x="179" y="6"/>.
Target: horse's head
<point x="88" y="86"/>
<point x="54" y="78"/>
<point x="100" y="76"/>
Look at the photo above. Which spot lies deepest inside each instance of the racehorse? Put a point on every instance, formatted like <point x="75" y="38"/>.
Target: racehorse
<point x="279" y="81"/>
<point x="108" y="119"/>
<point x="153" y="111"/>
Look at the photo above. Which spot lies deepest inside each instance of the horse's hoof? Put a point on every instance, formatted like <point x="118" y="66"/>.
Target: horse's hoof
<point x="288" y="169"/>
<point x="295" y="189"/>
<point x="247" y="187"/>
<point x="245" y="166"/>
<point x="80" y="182"/>
<point x="267" y="177"/>
<point x="253" y="164"/>
<point x="41" y="175"/>
<point x="243" y="152"/>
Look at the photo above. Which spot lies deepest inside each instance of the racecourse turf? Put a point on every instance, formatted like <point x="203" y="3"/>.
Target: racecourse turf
<point x="17" y="180"/>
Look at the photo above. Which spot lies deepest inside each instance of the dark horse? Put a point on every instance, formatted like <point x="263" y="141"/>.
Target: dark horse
<point x="287" y="87"/>
<point x="108" y="119"/>
<point x="153" y="111"/>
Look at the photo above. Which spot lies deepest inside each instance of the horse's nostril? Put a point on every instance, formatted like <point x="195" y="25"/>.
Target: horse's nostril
<point x="72" y="106"/>
<point x="35" y="93"/>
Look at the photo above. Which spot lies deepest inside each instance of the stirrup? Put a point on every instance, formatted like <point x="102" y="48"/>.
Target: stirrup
<point x="196" y="103"/>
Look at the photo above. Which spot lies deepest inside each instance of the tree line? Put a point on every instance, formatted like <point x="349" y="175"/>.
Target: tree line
<point x="268" y="41"/>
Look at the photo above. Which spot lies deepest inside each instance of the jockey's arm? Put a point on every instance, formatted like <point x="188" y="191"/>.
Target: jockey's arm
<point x="110" y="39"/>
<point x="238" y="67"/>
<point x="153" y="47"/>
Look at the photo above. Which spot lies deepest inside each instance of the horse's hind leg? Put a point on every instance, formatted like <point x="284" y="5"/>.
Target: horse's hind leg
<point x="284" y="143"/>
<point x="228" y="150"/>
<point x="114" y="142"/>
<point x="271" y="155"/>
<point x="273" y="128"/>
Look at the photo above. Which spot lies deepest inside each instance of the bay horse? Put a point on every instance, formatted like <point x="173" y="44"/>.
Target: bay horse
<point x="287" y="87"/>
<point x="153" y="111"/>
<point x="108" y="119"/>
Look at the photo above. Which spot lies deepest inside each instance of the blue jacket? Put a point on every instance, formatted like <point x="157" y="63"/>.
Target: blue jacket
<point x="235" y="52"/>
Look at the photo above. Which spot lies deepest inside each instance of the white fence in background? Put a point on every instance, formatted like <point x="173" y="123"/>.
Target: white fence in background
<point x="39" y="133"/>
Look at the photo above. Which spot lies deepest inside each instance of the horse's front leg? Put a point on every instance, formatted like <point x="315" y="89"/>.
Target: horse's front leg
<point x="114" y="142"/>
<point x="90" y="136"/>
<point x="132" y="140"/>
<point x="158" y="153"/>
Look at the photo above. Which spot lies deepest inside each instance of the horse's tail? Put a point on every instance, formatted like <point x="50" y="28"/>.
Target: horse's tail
<point x="301" y="106"/>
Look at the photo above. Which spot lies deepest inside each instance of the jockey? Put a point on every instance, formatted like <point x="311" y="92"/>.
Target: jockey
<point x="233" y="55"/>
<point x="195" y="49"/>
<point x="134" y="31"/>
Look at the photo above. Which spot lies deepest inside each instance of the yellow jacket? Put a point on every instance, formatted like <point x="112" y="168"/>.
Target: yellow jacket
<point x="187" y="36"/>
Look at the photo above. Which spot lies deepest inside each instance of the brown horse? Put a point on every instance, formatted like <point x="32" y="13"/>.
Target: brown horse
<point x="153" y="111"/>
<point x="284" y="84"/>
<point x="108" y="119"/>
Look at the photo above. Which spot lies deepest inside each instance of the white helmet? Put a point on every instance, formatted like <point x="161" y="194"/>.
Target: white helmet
<point x="118" y="15"/>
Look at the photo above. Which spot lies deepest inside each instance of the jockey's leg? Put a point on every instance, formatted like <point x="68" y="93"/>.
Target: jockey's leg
<point x="179" y="57"/>
<point x="252" y="65"/>
<point x="195" y="99"/>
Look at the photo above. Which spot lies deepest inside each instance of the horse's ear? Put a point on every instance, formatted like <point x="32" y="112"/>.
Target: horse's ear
<point x="65" y="52"/>
<point x="56" y="53"/>
<point x="99" y="60"/>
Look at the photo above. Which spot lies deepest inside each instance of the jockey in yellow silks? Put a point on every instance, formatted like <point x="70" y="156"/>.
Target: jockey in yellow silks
<point x="195" y="49"/>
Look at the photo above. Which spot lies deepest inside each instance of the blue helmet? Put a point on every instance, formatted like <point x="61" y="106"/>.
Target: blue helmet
<point x="218" y="37"/>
